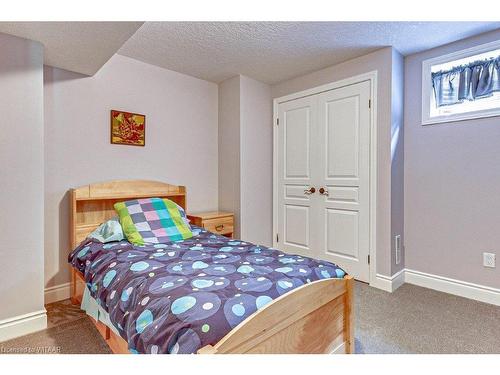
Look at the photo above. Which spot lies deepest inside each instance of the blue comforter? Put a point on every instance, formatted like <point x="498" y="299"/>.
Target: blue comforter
<point x="180" y="296"/>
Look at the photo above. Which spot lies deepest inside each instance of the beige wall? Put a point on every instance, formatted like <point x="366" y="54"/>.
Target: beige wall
<point x="245" y="156"/>
<point x="380" y="60"/>
<point x="181" y="140"/>
<point x="397" y="159"/>
<point x="452" y="175"/>
<point x="229" y="149"/>
<point x="21" y="174"/>
<point x="256" y="176"/>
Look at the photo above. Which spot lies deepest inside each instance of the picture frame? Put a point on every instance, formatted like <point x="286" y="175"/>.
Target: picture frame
<point x="127" y="128"/>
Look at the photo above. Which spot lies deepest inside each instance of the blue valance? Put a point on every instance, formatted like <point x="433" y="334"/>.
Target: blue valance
<point x="467" y="82"/>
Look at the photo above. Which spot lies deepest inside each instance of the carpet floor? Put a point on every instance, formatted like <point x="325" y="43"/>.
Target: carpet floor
<point x="420" y="320"/>
<point x="69" y="331"/>
<point x="410" y="320"/>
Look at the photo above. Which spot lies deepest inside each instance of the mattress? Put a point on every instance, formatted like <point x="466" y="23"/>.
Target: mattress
<point x="180" y="296"/>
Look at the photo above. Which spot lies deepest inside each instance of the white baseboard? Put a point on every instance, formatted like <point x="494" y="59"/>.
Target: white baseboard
<point x="440" y="283"/>
<point x="389" y="283"/>
<point x="22" y="325"/>
<point x="452" y="286"/>
<point x="57" y="293"/>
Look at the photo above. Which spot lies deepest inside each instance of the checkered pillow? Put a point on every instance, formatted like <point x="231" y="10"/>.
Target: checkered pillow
<point x="153" y="220"/>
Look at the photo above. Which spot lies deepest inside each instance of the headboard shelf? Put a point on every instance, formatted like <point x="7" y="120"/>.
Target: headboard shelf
<point x="92" y="204"/>
<point x="128" y="196"/>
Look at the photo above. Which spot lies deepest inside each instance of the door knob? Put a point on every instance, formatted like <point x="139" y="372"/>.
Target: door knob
<point x="311" y="190"/>
<point x="323" y="191"/>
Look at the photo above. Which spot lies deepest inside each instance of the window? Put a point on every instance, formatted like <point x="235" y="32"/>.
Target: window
<point x="462" y="85"/>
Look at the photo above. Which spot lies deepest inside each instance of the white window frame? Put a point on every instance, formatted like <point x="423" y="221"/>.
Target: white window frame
<point x="427" y="86"/>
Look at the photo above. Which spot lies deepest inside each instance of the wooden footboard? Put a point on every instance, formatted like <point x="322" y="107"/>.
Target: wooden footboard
<point x="314" y="318"/>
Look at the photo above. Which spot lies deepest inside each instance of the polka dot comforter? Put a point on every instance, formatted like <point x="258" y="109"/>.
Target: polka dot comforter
<point x="180" y="296"/>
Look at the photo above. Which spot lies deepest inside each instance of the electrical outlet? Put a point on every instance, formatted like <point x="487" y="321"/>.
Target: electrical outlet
<point x="397" y="248"/>
<point x="489" y="260"/>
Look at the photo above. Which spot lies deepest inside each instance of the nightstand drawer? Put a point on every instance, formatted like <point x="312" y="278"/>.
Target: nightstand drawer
<point x="223" y="225"/>
<point x="215" y="221"/>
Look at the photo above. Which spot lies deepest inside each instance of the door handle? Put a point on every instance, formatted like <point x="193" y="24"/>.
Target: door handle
<point x="323" y="191"/>
<point x="311" y="190"/>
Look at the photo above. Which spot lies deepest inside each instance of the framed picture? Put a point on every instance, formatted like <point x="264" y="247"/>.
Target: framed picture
<point x="128" y="128"/>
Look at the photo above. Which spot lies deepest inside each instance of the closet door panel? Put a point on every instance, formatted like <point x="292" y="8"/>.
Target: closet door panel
<point x="297" y="162"/>
<point x="342" y="232"/>
<point x="344" y="140"/>
<point x="297" y="131"/>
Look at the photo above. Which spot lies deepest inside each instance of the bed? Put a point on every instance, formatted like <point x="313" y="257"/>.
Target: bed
<point x="206" y="272"/>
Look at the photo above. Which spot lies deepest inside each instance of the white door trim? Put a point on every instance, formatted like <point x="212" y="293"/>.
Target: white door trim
<point x="372" y="77"/>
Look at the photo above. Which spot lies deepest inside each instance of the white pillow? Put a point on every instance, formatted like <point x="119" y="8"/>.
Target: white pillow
<point x="109" y="231"/>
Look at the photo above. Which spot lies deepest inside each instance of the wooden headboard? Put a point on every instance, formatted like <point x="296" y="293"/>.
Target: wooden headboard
<point x="92" y="204"/>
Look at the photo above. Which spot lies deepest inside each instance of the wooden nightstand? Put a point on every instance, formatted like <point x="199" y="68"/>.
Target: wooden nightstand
<point x="216" y="222"/>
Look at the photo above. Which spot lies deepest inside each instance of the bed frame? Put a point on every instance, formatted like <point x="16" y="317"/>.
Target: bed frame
<point x="314" y="318"/>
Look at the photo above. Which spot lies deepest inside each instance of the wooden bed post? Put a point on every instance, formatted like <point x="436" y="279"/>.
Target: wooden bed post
<point x="72" y="240"/>
<point x="349" y="315"/>
<point x="73" y="298"/>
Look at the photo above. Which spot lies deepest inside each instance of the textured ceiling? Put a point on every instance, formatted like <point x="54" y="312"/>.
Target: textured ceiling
<point x="82" y="47"/>
<point x="275" y="51"/>
<point x="267" y="51"/>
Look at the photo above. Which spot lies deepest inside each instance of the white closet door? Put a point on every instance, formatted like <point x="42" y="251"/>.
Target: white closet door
<point x="344" y="147"/>
<point x="297" y="161"/>
<point x="324" y="142"/>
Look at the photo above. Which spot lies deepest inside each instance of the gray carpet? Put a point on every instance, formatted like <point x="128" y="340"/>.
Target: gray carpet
<point x="74" y="337"/>
<point x="410" y="320"/>
<point x="420" y="320"/>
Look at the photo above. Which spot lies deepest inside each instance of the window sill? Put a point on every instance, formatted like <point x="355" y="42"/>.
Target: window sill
<point x="461" y="117"/>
